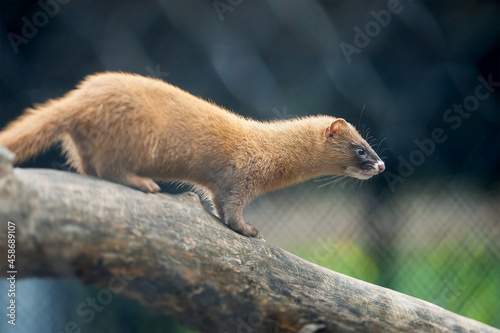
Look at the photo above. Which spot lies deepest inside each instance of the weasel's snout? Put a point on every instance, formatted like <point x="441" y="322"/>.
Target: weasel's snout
<point x="380" y="166"/>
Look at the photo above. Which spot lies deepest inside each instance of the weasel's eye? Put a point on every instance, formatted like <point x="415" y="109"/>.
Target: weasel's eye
<point x="360" y="151"/>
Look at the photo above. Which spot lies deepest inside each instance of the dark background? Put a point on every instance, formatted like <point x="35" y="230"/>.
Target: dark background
<point x="282" y="59"/>
<point x="282" y="56"/>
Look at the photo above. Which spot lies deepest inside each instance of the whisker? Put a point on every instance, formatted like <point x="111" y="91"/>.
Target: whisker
<point x="361" y="115"/>
<point x="333" y="180"/>
<point x="324" y="178"/>
<point x="384" y="150"/>
<point x="332" y="183"/>
<point x="380" y="142"/>
<point x="353" y="184"/>
<point x="367" y="134"/>
<point x="344" y="181"/>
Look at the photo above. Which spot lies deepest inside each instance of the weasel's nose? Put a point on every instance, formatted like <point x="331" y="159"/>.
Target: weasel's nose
<point x="381" y="166"/>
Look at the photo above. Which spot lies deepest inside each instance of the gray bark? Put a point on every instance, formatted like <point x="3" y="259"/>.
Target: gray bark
<point x="174" y="257"/>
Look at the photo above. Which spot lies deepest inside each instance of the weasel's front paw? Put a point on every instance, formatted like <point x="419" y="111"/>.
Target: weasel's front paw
<point x="251" y="231"/>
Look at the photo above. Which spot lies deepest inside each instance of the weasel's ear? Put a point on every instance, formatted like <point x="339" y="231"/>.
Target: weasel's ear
<point x="335" y="127"/>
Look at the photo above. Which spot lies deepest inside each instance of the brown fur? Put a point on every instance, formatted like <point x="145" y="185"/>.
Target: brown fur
<point x="132" y="129"/>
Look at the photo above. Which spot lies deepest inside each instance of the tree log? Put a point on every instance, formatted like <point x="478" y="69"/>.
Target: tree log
<point x="173" y="256"/>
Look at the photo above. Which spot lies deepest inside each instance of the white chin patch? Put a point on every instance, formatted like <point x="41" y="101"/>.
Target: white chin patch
<point x="356" y="173"/>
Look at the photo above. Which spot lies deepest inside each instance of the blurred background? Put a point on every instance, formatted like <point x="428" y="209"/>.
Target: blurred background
<point x="423" y="77"/>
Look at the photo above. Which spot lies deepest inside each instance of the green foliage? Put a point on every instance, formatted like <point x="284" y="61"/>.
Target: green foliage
<point x="341" y="256"/>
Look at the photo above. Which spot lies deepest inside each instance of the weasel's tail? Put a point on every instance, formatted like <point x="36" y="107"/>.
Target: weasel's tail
<point x="35" y="131"/>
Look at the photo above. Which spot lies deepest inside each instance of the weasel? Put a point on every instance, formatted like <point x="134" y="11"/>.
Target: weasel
<point x="131" y="129"/>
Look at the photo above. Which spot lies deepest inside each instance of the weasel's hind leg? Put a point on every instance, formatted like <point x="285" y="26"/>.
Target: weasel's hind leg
<point x="113" y="170"/>
<point x="89" y="155"/>
<point x="76" y="156"/>
<point x="144" y="184"/>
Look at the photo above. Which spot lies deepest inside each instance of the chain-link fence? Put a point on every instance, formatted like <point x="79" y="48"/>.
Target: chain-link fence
<point x="438" y="243"/>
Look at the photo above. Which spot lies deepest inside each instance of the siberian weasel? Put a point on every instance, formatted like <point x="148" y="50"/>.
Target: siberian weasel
<point x="131" y="129"/>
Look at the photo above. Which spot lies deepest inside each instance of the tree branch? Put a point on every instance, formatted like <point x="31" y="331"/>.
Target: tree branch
<point x="170" y="254"/>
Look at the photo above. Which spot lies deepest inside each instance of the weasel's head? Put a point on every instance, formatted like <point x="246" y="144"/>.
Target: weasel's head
<point x="348" y="153"/>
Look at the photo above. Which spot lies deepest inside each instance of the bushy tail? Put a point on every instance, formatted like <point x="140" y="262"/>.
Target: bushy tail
<point x="35" y="131"/>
